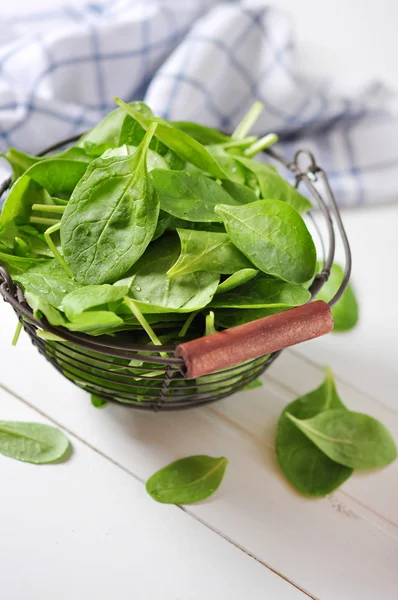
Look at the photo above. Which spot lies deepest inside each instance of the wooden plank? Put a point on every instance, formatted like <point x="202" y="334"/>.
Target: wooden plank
<point x="87" y="528"/>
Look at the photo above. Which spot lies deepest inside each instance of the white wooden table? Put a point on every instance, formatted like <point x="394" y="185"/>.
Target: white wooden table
<point x="87" y="529"/>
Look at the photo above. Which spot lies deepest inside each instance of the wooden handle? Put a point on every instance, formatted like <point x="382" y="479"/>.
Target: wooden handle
<point x="252" y="340"/>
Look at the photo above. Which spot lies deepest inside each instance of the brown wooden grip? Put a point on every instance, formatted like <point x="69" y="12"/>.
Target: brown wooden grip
<point x="252" y="340"/>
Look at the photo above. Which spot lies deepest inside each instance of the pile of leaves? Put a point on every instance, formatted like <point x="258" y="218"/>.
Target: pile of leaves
<point x="144" y="224"/>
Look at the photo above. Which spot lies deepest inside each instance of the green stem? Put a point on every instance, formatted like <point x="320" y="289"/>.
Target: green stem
<point x="248" y="121"/>
<point x="43" y="221"/>
<point x="187" y="324"/>
<point x="210" y="324"/>
<point x="54" y="249"/>
<point x="261" y="144"/>
<point x="49" y="208"/>
<point x="144" y="323"/>
<point x="17" y="333"/>
<point x="247" y="141"/>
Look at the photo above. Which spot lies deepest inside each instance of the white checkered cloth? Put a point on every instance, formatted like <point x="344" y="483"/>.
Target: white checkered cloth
<point x="199" y="60"/>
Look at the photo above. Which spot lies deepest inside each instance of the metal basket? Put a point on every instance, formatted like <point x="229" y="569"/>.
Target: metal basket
<point x="116" y="370"/>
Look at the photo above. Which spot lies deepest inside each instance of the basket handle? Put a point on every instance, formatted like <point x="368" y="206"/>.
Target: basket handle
<point x="252" y="340"/>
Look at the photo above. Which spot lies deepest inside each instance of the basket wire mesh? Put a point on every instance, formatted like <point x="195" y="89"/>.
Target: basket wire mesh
<point x="113" y="368"/>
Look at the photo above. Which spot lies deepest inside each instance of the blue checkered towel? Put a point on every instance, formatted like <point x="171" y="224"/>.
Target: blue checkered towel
<point x="189" y="59"/>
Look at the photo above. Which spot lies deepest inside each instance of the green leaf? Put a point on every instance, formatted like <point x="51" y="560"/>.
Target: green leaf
<point x="154" y="292"/>
<point x="242" y="194"/>
<point x="345" y="312"/>
<point x="91" y="296"/>
<point x="273" y="236"/>
<point x="111" y="217"/>
<point x="153" y="160"/>
<point x="202" y="134"/>
<point x="32" y="442"/>
<point x="207" y="251"/>
<point x="189" y="196"/>
<point x="256" y="383"/>
<point x="170" y="223"/>
<point x="23" y="194"/>
<point x="48" y="280"/>
<point x="95" y="322"/>
<point x="349" y="438"/>
<point x="57" y="174"/>
<point x="98" y="402"/>
<point x="41" y="306"/>
<point x="263" y="292"/>
<point x="229" y="317"/>
<point x="237" y="279"/>
<point x="17" y="265"/>
<point x="187" y="480"/>
<point x="232" y="169"/>
<point x="272" y="185"/>
<point x="308" y="469"/>
<point x="182" y="144"/>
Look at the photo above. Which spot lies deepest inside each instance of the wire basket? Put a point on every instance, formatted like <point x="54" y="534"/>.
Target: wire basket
<point x="202" y="370"/>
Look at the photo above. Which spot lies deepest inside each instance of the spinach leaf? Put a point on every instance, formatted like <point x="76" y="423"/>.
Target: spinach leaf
<point x="237" y="279"/>
<point x="16" y="265"/>
<point x="207" y="251"/>
<point x="241" y="193"/>
<point x="349" y="438"/>
<point x="273" y="236"/>
<point x="272" y="185"/>
<point x="229" y="317"/>
<point x="98" y="402"/>
<point x="154" y="292"/>
<point x="32" y="442"/>
<point x="232" y="169"/>
<point x="187" y="480"/>
<point x="256" y="383"/>
<point x="182" y="144"/>
<point x="263" y="292"/>
<point x="307" y="468"/>
<point x="23" y="194"/>
<point x="95" y="322"/>
<point x="190" y="196"/>
<point x="153" y="160"/>
<point x="345" y="312"/>
<point x="170" y="223"/>
<point x="19" y="161"/>
<point x="111" y="217"/>
<point x="41" y="306"/>
<point x="202" y="134"/>
<point x="57" y="174"/>
<point x="47" y="280"/>
<point x="90" y="296"/>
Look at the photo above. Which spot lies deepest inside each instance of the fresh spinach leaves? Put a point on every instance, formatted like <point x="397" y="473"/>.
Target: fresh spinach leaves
<point x="187" y="480"/>
<point x="32" y="442"/>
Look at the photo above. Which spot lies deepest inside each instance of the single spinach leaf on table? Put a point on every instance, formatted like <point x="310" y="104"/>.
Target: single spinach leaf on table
<point x="154" y="292"/>
<point x="207" y="251"/>
<point x="187" y="480"/>
<point x="47" y="280"/>
<point x="182" y="144"/>
<point x="98" y="402"/>
<point x="236" y="279"/>
<point x="346" y="312"/>
<point x="273" y="236"/>
<point x="90" y="296"/>
<point x="201" y="133"/>
<point x="190" y="196"/>
<point x="307" y="468"/>
<point x="263" y="292"/>
<point x="110" y="218"/>
<point x="32" y="442"/>
<point x="349" y="438"/>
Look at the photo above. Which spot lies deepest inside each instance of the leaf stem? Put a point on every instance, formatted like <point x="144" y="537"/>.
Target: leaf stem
<point x="49" y="208"/>
<point x="248" y="121"/>
<point x="187" y="324"/>
<point x="54" y="249"/>
<point x="43" y="221"/>
<point x="209" y="328"/>
<point x="17" y="333"/>
<point x="247" y="141"/>
<point x="261" y="144"/>
<point x="144" y="323"/>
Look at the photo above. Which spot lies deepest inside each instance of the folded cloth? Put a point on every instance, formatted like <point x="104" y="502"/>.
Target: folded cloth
<point x="201" y="60"/>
